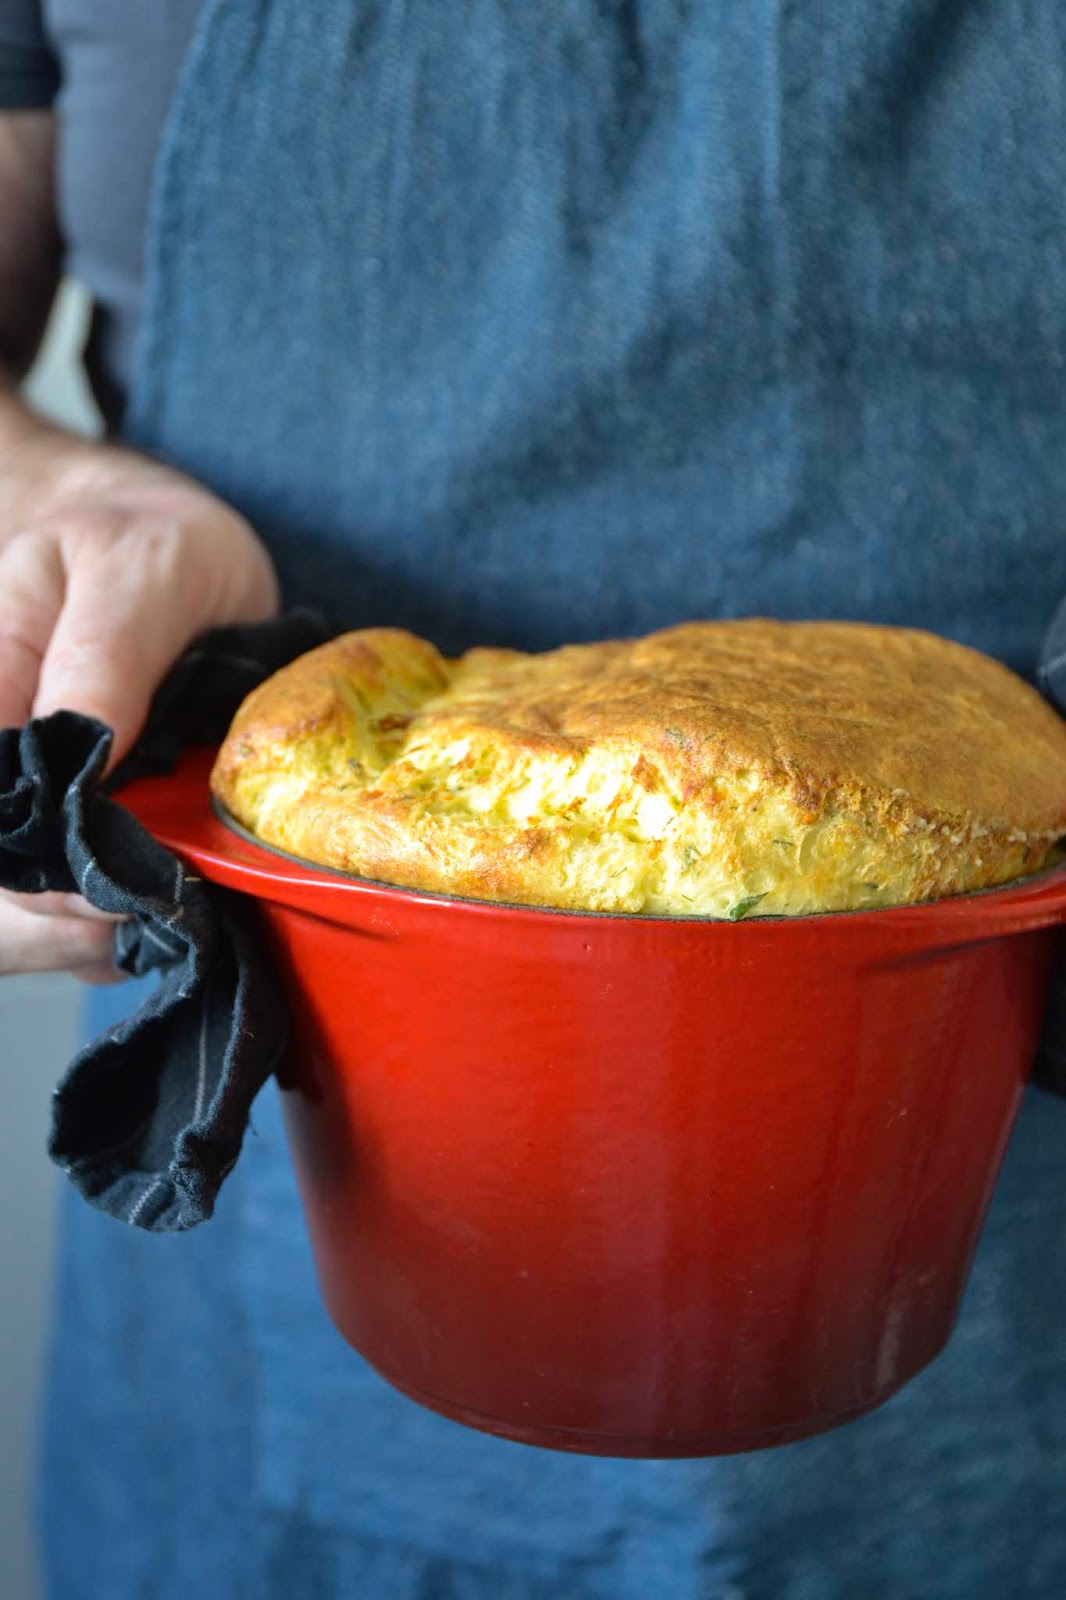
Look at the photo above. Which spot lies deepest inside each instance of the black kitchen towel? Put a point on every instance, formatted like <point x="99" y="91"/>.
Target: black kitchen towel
<point x="149" y="1118"/>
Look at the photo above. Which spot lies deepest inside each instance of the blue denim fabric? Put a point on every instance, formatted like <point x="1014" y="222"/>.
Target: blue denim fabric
<point x="522" y="324"/>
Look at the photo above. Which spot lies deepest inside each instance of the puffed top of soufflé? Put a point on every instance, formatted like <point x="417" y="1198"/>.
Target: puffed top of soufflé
<point x="713" y="769"/>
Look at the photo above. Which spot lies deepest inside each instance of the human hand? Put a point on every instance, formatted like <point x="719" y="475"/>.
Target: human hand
<point x="110" y="564"/>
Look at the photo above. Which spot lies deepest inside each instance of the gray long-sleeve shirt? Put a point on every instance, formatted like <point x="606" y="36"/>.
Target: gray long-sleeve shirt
<point x="109" y="67"/>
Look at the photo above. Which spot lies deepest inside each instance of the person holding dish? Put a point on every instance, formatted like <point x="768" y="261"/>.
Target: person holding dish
<point x="520" y="330"/>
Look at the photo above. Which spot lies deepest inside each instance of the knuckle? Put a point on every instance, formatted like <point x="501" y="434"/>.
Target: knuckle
<point x="87" y="527"/>
<point x="84" y="653"/>
<point x="95" y="667"/>
<point x="67" y="530"/>
<point x="14" y="634"/>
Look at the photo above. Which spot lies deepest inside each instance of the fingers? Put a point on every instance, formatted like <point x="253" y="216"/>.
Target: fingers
<point x="32" y="943"/>
<point x="93" y="612"/>
<point x="49" y="932"/>
<point x="100" y="976"/>
<point x="31" y="596"/>
<point x="59" y="905"/>
<point x="137" y="592"/>
<point x="122" y="622"/>
<point x="97" y="604"/>
<point x="20" y="665"/>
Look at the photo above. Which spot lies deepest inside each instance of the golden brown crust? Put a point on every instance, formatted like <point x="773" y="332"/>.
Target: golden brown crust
<point x="709" y="769"/>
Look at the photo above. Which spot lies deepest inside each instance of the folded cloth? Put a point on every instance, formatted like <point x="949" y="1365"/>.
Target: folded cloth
<point x="149" y="1118"/>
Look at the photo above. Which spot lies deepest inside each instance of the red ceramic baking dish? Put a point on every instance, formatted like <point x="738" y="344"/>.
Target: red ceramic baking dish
<point x="639" y="1186"/>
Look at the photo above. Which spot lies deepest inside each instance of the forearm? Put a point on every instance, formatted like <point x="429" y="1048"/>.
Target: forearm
<point x="29" y="272"/>
<point x="30" y="249"/>
<point x="110" y="563"/>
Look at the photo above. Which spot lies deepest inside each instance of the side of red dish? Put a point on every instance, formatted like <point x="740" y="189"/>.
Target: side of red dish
<point x="639" y="1186"/>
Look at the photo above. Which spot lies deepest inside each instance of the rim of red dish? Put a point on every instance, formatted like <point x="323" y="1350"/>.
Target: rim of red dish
<point x="181" y="812"/>
<point x="1058" y="870"/>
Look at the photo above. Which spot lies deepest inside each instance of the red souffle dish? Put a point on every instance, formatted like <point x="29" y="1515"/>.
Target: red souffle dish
<point x="638" y="1185"/>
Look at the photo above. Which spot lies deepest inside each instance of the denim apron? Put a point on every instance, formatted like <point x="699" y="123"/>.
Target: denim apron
<point x="522" y="324"/>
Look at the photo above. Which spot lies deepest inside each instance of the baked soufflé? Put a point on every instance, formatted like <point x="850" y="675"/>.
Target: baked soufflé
<point x="714" y="769"/>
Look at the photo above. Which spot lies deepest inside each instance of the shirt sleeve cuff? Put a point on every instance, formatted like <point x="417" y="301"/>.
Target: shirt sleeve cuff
<point x="29" y="79"/>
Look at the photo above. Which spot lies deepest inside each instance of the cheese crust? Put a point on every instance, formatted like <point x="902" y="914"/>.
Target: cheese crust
<point x="714" y="769"/>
